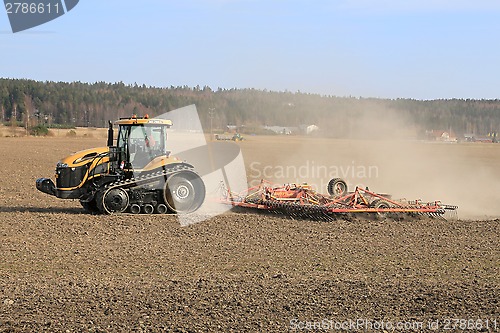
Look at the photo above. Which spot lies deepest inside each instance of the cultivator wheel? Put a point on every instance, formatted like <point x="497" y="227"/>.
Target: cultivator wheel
<point x="383" y="205"/>
<point x="337" y="187"/>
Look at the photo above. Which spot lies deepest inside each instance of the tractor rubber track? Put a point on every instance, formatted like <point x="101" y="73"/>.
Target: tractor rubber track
<point x="141" y="180"/>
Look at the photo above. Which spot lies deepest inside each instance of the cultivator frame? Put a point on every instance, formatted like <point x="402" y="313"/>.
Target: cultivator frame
<point x="302" y="201"/>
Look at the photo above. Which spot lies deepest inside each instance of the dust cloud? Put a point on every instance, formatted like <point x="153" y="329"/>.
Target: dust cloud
<point x="382" y="153"/>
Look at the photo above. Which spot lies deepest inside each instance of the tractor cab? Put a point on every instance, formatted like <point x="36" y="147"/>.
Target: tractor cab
<point x="141" y="141"/>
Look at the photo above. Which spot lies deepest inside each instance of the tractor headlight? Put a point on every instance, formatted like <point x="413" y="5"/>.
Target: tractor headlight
<point x="61" y="165"/>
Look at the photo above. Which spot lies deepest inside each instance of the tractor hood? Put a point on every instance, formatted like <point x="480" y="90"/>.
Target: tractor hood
<point x="82" y="157"/>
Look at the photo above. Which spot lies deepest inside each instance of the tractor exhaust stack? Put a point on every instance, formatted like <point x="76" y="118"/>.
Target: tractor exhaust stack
<point x="110" y="134"/>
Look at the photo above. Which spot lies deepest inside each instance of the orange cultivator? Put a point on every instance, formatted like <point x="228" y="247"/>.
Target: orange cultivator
<point x="301" y="201"/>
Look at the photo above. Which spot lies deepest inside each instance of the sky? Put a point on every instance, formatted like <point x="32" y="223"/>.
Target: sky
<point x="420" y="49"/>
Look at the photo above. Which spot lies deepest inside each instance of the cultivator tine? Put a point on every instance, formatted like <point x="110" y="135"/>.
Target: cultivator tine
<point x="451" y="215"/>
<point x="327" y="216"/>
<point x="440" y="216"/>
<point x="297" y="211"/>
<point x="437" y="214"/>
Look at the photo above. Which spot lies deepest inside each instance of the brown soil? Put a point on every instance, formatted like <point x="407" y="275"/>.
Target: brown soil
<point x="63" y="270"/>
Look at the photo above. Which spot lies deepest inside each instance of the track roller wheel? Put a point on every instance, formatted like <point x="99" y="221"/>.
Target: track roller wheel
<point x="135" y="209"/>
<point x="161" y="209"/>
<point x="148" y="209"/>
<point x="112" y="201"/>
<point x="337" y="187"/>
<point x="184" y="192"/>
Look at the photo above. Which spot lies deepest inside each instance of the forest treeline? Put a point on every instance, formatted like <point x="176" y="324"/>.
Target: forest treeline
<point x="30" y="103"/>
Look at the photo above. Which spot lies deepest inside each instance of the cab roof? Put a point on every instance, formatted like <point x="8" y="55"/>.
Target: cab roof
<point x="144" y="121"/>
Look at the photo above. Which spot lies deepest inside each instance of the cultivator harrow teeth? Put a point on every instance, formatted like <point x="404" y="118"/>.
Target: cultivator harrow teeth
<point x="301" y="201"/>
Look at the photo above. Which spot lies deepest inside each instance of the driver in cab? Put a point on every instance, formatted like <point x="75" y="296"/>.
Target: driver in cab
<point x="149" y="139"/>
<point x="147" y="152"/>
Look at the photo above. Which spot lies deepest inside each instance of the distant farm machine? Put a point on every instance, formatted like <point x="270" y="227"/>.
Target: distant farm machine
<point x="235" y="137"/>
<point x="302" y="201"/>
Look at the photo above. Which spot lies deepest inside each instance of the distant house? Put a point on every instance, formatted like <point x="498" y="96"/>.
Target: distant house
<point x="282" y="129"/>
<point x="308" y="129"/>
<point x="232" y="128"/>
<point x="441" y="135"/>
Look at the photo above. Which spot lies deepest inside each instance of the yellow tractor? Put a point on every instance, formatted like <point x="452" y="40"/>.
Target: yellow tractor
<point x="137" y="175"/>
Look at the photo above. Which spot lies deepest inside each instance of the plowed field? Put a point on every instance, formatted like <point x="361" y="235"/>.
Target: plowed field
<point x="64" y="270"/>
